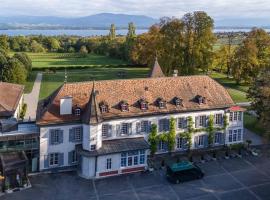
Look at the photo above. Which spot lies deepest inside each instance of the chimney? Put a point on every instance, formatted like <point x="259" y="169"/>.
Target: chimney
<point x="66" y="105"/>
<point x="175" y="73"/>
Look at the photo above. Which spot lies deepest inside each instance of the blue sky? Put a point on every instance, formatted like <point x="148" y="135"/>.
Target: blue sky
<point x="154" y="8"/>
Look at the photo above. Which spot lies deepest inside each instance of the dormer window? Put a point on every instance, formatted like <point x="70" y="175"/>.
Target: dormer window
<point x="161" y="103"/>
<point x="103" y="107"/>
<point x="77" y="111"/>
<point x="178" y="101"/>
<point x="124" y="106"/>
<point x="143" y="104"/>
<point x="200" y="99"/>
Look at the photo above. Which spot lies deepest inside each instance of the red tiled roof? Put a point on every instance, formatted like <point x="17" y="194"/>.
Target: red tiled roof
<point x="131" y="91"/>
<point x="10" y="95"/>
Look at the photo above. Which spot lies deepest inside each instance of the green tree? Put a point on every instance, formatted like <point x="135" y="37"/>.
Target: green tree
<point x="3" y="62"/>
<point x="112" y="34"/>
<point x="131" y="31"/>
<point x="152" y="139"/>
<point x="14" y="72"/>
<point x="190" y="130"/>
<point x="259" y="93"/>
<point x="4" y="42"/>
<point x="171" y="135"/>
<point x="25" y="60"/>
<point x="36" y="47"/>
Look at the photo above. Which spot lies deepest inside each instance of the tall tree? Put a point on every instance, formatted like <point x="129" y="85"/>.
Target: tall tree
<point x="25" y="60"/>
<point x="131" y="30"/>
<point x="259" y="93"/>
<point x="112" y="34"/>
<point x="14" y="72"/>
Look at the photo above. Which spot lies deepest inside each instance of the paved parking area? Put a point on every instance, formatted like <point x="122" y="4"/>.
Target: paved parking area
<point x="238" y="178"/>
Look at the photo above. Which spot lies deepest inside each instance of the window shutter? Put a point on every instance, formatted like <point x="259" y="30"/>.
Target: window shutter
<point x="138" y="127"/>
<point x="61" y="159"/>
<point x="206" y="121"/>
<point x="70" y="157"/>
<point x="81" y="133"/>
<point x="110" y="131"/>
<point x="196" y="141"/>
<point x="205" y="138"/>
<point x="118" y="129"/>
<point x="222" y="118"/>
<point x="71" y="135"/>
<point x="197" y="119"/>
<point x="61" y="136"/>
<point x="51" y="142"/>
<point x="149" y="127"/>
<point x="46" y="161"/>
<point x="130" y="128"/>
<point x="167" y="124"/>
<point x="160" y="125"/>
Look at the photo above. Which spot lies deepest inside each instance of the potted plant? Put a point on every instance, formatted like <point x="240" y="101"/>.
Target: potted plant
<point x="214" y="156"/>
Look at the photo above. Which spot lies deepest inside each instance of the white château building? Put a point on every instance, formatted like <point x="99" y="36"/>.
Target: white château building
<point x="102" y="127"/>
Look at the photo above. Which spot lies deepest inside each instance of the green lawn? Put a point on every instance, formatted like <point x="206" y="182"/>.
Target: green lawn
<point x="41" y="60"/>
<point x="52" y="81"/>
<point x="252" y="123"/>
<point x="237" y="92"/>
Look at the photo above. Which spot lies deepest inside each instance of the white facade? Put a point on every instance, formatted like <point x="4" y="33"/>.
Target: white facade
<point x="18" y="109"/>
<point x="92" y="139"/>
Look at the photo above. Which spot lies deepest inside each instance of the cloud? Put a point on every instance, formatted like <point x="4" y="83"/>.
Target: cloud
<point x="154" y="8"/>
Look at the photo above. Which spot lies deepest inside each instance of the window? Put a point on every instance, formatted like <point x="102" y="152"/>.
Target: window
<point x="202" y="121"/>
<point x="177" y="101"/>
<point x="144" y="106"/>
<point x="231" y="116"/>
<point x="104" y="109"/>
<point x="105" y="130"/>
<point x="145" y="126"/>
<point x="124" y="129"/>
<point x="123" y="159"/>
<point x="109" y="163"/>
<point x="218" y="119"/>
<point x="181" y="143"/>
<point x="161" y="145"/>
<point x="93" y="147"/>
<point x="74" y="157"/>
<point x="77" y="111"/>
<point x="163" y="125"/>
<point x="235" y="116"/>
<point x="78" y="134"/>
<point x="218" y="138"/>
<point x="201" y="140"/>
<point x="230" y="135"/>
<point x="124" y="106"/>
<point x="239" y="116"/>
<point x="161" y="104"/>
<point x="235" y="135"/>
<point x="56" y="136"/>
<point x="54" y="159"/>
<point x="239" y="134"/>
<point x="132" y="158"/>
<point x="182" y="123"/>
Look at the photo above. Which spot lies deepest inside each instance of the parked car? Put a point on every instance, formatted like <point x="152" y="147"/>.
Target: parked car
<point x="183" y="171"/>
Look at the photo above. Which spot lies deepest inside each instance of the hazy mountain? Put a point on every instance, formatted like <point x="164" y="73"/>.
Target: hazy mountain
<point x="242" y="22"/>
<point x="103" y="20"/>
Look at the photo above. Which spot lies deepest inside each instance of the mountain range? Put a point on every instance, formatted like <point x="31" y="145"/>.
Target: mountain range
<point x="104" y="20"/>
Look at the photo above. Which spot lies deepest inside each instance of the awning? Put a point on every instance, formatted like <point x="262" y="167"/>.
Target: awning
<point x="13" y="160"/>
<point x="115" y="146"/>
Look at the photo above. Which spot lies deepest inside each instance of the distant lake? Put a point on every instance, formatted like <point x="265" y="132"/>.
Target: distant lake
<point x="85" y="33"/>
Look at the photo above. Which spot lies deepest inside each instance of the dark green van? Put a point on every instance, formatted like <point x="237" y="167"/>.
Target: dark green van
<point x="183" y="171"/>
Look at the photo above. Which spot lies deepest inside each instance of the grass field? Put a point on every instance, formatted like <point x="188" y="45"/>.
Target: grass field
<point x="252" y="123"/>
<point x="65" y="60"/>
<point x="237" y="92"/>
<point x="52" y="81"/>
